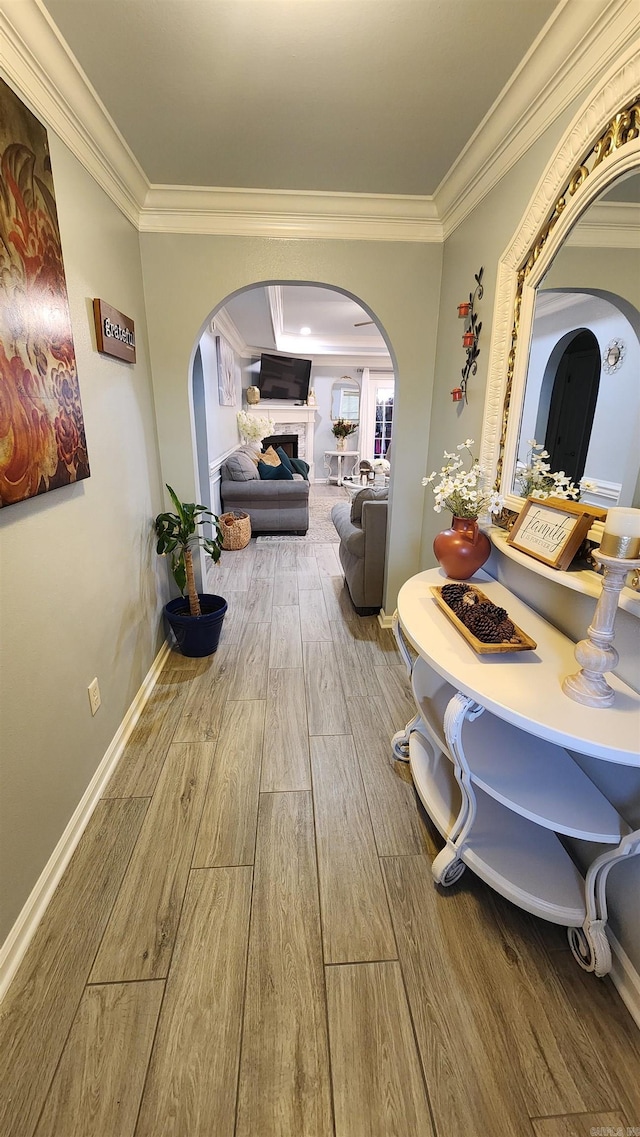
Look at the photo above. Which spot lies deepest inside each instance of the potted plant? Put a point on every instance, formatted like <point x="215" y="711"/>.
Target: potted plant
<point x="463" y="548"/>
<point x="341" y="429"/>
<point x="195" y="620"/>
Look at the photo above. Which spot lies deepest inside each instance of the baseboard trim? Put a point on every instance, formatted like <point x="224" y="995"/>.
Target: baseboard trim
<point x="625" y="978"/>
<point x="384" y="620"/>
<point x="15" y="946"/>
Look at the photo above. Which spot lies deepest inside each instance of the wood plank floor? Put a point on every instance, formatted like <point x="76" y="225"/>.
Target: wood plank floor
<point x="248" y="941"/>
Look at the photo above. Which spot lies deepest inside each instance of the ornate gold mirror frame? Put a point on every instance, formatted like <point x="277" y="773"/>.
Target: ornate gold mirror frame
<point x="602" y="143"/>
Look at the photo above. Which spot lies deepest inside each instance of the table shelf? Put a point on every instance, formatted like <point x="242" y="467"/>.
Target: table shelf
<point x="489" y="754"/>
<point x="525" y="864"/>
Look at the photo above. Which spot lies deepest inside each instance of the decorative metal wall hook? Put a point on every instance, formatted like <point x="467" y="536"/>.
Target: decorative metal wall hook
<point x="471" y="335"/>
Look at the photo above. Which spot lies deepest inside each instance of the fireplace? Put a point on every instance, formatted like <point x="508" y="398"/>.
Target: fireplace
<point x="288" y="442"/>
<point x="293" y="429"/>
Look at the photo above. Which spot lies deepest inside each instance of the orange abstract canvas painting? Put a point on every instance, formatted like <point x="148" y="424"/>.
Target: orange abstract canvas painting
<point x="42" y="435"/>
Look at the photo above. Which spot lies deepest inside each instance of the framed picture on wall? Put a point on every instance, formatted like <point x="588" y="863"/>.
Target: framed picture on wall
<point x="42" y="435"/>
<point x="228" y="373"/>
<point x="552" y="529"/>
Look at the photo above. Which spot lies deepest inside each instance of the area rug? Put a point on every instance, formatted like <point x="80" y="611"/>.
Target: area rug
<point x="321" y="531"/>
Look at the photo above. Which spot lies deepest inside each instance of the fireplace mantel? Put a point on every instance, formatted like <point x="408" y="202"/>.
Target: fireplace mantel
<point x="287" y="418"/>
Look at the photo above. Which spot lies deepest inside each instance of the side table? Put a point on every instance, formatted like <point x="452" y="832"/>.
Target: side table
<point x="337" y="478"/>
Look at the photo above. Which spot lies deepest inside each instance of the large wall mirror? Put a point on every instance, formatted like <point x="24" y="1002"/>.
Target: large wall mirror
<point x="345" y="399"/>
<point x="565" y="356"/>
<point x="581" y="398"/>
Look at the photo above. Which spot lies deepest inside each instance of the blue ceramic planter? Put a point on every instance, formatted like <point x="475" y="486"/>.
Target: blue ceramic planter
<point x="197" y="635"/>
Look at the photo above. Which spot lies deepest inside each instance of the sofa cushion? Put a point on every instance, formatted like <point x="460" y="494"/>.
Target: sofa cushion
<point x="374" y="493"/>
<point x="277" y="473"/>
<point x="270" y="458"/>
<point x="284" y="458"/>
<point x="252" y="450"/>
<point x="241" y="468"/>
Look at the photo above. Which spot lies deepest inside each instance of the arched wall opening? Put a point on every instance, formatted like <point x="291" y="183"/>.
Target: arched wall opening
<point x="242" y="326"/>
<point x="187" y="277"/>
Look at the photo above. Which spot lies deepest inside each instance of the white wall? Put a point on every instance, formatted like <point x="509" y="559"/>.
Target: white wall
<point x="617" y="413"/>
<point x="81" y="587"/>
<point x="322" y="380"/>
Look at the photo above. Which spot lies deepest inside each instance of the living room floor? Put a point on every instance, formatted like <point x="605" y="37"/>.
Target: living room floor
<point x="248" y="940"/>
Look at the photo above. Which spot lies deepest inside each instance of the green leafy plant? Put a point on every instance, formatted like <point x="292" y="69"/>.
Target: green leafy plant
<point x="178" y="534"/>
<point x="342" y="428"/>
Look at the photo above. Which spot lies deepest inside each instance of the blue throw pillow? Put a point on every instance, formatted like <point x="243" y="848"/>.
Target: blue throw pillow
<point x="274" y="473"/>
<point x="300" y="466"/>
<point x="284" y="458"/>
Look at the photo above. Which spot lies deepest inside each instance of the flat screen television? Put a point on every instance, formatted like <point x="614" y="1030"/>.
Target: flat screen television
<point x="282" y="377"/>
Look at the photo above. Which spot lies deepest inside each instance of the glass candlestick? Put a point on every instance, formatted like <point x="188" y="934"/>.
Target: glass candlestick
<point x="596" y="654"/>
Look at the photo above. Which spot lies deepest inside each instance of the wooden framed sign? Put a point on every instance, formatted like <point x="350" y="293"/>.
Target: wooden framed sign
<point x="115" y="332"/>
<point x="552" y="529"/>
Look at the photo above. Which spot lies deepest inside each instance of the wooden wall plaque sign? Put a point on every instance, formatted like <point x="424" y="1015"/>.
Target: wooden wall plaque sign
<point x="115" y="332"/>
<point x="552" y="529"/>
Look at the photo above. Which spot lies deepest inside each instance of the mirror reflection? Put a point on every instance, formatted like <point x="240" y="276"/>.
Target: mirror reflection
<point x="345" y="400"/>
<point x="582" y="395"/>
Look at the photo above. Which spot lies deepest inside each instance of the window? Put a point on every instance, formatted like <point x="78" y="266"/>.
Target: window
<point x="384" y="420"/>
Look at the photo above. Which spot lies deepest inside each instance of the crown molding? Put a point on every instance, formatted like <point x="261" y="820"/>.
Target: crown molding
<point x="223" y="325"/>
<point x="608" y="225"/>
<point x="287" y="213"/>
<point x="562" y="63"/>
<point x="37" y="62"/>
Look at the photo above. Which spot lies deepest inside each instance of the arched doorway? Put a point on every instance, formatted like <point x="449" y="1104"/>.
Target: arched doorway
<point x="573" y="403"/>
<point x="327" y="325"/>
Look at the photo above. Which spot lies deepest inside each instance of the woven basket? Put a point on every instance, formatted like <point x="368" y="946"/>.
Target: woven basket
<point x="236" y="530"/>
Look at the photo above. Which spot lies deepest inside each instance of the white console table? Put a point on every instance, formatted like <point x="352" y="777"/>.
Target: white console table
<point x="488" y="750"/>
<point x="353" y="455"/>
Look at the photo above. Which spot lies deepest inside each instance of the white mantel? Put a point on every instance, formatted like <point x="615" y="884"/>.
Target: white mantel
<point x="287" y="418"/>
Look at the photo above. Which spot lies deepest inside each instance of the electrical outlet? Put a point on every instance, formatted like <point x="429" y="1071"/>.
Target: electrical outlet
<point x="94" y="696"/>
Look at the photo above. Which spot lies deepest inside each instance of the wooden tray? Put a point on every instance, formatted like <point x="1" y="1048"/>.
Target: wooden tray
<point x="526" y="643"/>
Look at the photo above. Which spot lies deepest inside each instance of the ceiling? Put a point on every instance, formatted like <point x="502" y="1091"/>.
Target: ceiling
<point x="336" y="96"/>
<point x="271" y="319"/>
<point x="362" y="96"/>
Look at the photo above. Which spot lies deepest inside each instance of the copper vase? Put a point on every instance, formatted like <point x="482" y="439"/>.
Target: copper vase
<point x="462" y="549"/>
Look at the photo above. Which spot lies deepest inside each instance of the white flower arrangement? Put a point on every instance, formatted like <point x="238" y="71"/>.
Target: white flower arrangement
<point x="463" y="492"/>
<point x="382" y="465"/>
<point x="253" y="428"/>
<point x="535" y="479"/>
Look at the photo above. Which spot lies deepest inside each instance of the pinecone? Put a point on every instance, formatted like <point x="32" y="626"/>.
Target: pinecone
<point x="459" y="608"/>
<point x="507" y="631"/>
<point x="483" y="627"/>
<point x="453" y="593"/>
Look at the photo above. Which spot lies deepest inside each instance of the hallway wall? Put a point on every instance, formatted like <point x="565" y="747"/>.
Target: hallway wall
<point x="481" y="240"/>
<point x="81" y="586"/>
<point x="186" y="277"/>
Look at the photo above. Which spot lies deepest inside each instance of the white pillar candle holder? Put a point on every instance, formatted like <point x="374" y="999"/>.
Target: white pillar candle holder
<point x="596" y="654"/>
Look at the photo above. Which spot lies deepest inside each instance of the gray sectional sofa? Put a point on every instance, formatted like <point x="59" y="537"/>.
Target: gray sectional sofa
<point x="273" y="506"/>
<point x="362" y="528"/>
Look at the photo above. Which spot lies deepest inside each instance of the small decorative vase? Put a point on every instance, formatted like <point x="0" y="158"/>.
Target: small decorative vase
<point x="253" y="396"/>
<point x="462" y="549"/>
<point x="341" y="444"/>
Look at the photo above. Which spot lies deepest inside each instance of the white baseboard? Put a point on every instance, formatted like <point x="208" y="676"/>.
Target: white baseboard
<point x="625" y="978"/>
<point x="15" y="946"/>
<point x="384" y="620"/>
